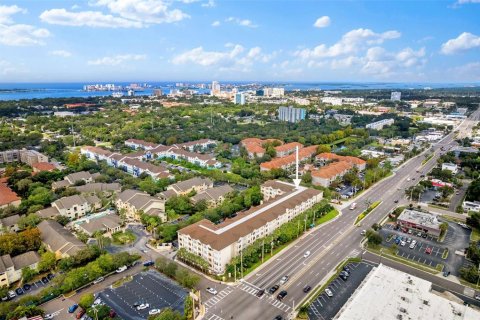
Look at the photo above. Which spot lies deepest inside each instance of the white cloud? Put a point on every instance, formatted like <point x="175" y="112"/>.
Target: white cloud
<point x="61" y="53"/>
<point x="463" y="42"/>
<point x="86" y="19"/>
<point x="322" y="22"/>
<point x="122" y="14"/>
<point x="379" y="62"/>
<point x="12" y="34"/>
<point x="215" y="23"/>
<point x="241" y="22"/>
<point x="235" y="58"/>
<point x="7" y="11"/>
<point x="145" y="11"/>
<point x="467" y="1"/>
<point x="116" y="60"/>
<point x="22" y="35"/>
<point x="467" y="72"/>
<point x="209" y="4"/>
<point x="351" y="42"/>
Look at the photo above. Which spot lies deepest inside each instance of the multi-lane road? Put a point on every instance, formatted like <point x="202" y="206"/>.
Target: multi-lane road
<point x="328" y="245"/>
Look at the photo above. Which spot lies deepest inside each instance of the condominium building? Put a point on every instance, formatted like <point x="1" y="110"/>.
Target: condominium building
<point x="215" y="88"/>
<point x="288" y="162"/>
<point x="195" y="184"/>
<point x="72" y="207"/>
<point x="291" y="114"/>
<point x="239" y="98"/>
<point x="8" y="197"/>
<point x="198" y="145"/>
<point x="140" y="144"/>
<point x="29" y="157"/>
<point x="132" y="203"/>
<point x="288" y="148"/>
<point x="396" y="96"/>
<point x="334" y="166"/>
<point x="254" y="146"/>
<point x="11" y="267"/>
<point x="59" y="240"/>
<point x="219" y="243"/>
<point x="378" y="125"/>
<point x="213" y="196"/>
<point x="74" y="178"/>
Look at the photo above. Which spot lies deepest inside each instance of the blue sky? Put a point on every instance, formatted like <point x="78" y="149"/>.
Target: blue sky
<point x="274" y="40"/>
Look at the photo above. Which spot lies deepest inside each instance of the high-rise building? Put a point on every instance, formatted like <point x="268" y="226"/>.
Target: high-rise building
<point x="215" y="88"/>
<point x="396" y="96"/>
<point x="239" y="98"/>
<point x="291" y="114"/>
<point x="278" y="92"/>
<point x="157" y="92"/>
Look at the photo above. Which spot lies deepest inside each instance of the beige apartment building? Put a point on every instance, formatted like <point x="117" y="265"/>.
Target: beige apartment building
<point x="219" y="243"/>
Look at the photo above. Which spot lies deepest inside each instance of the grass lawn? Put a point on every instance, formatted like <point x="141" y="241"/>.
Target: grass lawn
<point x="125" y="237"/>
<point x="475" y="235"/>
<point x="387" y="254"/>
<point x="362" y="215"/>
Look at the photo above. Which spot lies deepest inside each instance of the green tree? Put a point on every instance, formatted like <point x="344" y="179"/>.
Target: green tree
<point x="168" y="314"/>
<point x="47" y="261"/>
<point x="86" y="300"/>
<point x="28" y="274"/>
<point x="374" y="237"/>
<point x="29" y="221"/>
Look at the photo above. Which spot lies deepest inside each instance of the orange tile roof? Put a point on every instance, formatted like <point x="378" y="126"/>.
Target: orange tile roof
<point x="277" y="163"/>
<point x="7" y="196"/>
<point x="333" y="156"/>
<point x="332" y="170"/>
<point x="43" y="166"/>
<point x="289" y="146"/>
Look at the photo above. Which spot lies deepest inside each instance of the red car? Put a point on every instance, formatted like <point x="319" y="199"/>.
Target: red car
<point x="80" y="313"/>
<point x="112" y="313"/>
<point x="428" y="250"/>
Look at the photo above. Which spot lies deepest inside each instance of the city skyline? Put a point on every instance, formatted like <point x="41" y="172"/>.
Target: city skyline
<point x="156" y="40"/>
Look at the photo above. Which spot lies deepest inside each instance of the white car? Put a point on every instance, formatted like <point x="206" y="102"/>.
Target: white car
<point x="98" y="280"/>
<point x="143" y="306"/>
<point x="477" y="297"/>
<point x="307" y="254"/>
<point x="329" y="292"/>
<point x="48" y="316"/>
<point x="97" y="302"/>
<point x="154" y="311"/>
<point x="212" y="291"/>
<point x="283" y="280"/>
<point x="121" y="269"/>
<point x="403" y="243"/>
<point x="413" y="244"/>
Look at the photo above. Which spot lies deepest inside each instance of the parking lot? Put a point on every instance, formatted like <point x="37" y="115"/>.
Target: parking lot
<point x="147" y="287"/>
<point x="457" y="239"/>
<point x="324" y="307"/>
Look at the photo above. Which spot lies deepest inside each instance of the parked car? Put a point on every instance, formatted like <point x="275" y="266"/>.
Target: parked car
<point x="477" y="297"/>
<point x="121" y="269"/>
<point x="273" y="289"/>
<point x="282" y="295"/>
<point x="50" y="276"/>
<point x="307" y="253"/>
<point x="403" y="243"/>
<point x="345" y="273"/>
<point x="413" y="244"/>
<point x="428" y="250"/>
<point x="11" y="294"/>
<point x="26" y="287"/>
<point x="48" y="316"/>
<point x="347" y="269"/>
<point x="343" y="277"/>
<point x="154" y="311"/>
<point x="260" y="293"/>
<point x="279" y="317"/>
<point x="148" y="264"/>
<point x="19" y="291"/>
<point x="80" y="313"/>
<point x="307" y="289"/>
<point x="98" y="280"/>
<point x="45" y="280"/>
<point x="211" y="290"/>
<point x="143" y="306"/>
<point x="364" y="232"/>
<point x="284" y="280"/>
<point x="396" y="201"/>
<point x="329" y="292"/>
<point x="97" y="302"/>
<point x="446" y="273"/>
<point x="72" y="308"/>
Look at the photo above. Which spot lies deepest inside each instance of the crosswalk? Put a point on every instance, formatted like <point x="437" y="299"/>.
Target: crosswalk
<point x="270" y="299"/>
<point x="354" y="253"/>
<point x="218" y="297"/>
<point x="214" y="317"/>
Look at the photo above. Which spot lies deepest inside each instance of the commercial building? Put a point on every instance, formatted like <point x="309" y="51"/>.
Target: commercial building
<point x="452" y="167"/>
<point x="132" y="203"/>
<point x="396" y="96"/>
<point x="239" y="98"/>
<point x="219" y="243"/>
<point x="419" y="221"/>
<point x="11" y="267"/>
<point x="471" y="206"/>
<point x="291" y="114"/>
<point x="378" y="125"/>
<point x="390" y="294"/>
<point x="59" y="240"/>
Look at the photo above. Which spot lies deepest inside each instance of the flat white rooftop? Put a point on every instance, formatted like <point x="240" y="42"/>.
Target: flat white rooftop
<point x="389" y="294"/>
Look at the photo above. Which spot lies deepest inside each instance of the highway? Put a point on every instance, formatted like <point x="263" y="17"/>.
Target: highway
<point x="329" y="244"/>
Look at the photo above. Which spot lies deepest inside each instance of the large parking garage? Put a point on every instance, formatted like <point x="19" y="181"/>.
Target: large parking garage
<point x="146" y="287"/>
<point x="324" y="307"/>
<point x="428" y="250"/>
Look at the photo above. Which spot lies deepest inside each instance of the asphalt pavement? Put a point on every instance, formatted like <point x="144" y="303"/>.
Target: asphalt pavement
<point x="329" y="244"/>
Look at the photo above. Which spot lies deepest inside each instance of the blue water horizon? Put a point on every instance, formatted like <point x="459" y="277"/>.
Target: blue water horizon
<point x="25" y="90"/>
